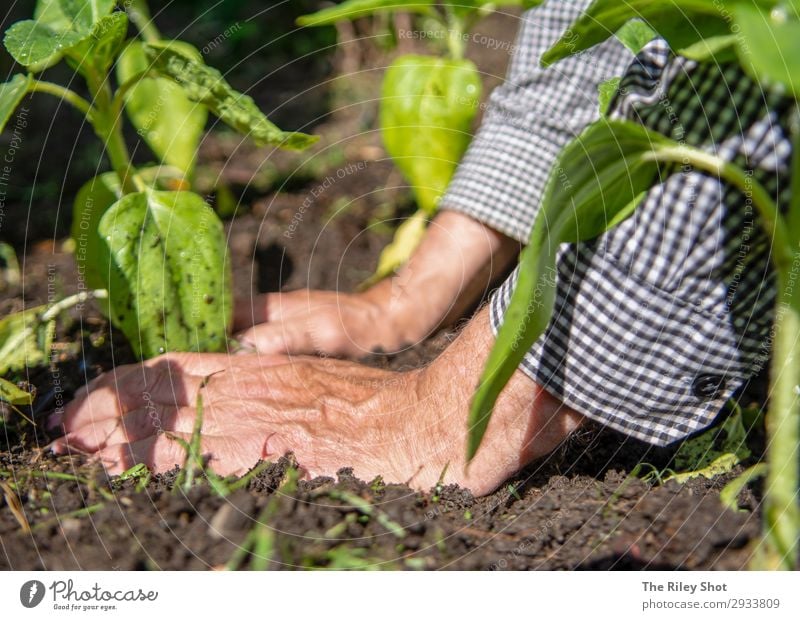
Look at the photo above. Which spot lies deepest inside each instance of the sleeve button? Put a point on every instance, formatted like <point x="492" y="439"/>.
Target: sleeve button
<point x="708" y="386"/>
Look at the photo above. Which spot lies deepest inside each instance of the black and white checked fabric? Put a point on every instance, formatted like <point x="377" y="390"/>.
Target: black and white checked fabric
<point x="662" y="319"/>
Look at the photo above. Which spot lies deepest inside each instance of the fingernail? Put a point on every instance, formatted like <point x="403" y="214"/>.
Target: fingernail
<point x="57" y="446"/>
<point x="53" y="421"/>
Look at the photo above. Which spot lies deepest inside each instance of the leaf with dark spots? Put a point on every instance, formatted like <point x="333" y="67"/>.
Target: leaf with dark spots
<point x="168" y="314"/>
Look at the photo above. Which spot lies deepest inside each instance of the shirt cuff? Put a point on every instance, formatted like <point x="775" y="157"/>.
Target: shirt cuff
<point x="631" y="356"/>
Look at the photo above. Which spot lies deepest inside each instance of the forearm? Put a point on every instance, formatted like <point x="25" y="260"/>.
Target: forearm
<point x="527" y="422"/>
<point x="455" y="264"/>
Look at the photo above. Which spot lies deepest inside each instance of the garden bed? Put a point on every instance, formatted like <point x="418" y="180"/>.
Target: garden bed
<point x="575" y="509"/>
<point x="579" y="508"/>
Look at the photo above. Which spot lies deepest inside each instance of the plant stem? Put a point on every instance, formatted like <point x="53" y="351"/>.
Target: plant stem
<point x="73" y="300"/>
<point x="140" y="16"/>
<point x="455" y="35"/>
<point x="119" y="97"/>
<point x="109" y="129"/>
<point x="781" y="510"/>
<point x="65" y="94"/>
<point x="771" y="220"/>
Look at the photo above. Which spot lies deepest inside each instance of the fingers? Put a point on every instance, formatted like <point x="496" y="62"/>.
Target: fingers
<point x="134" y="426"/>
<point x="164" y="451"/>
<point x="249" y="311"/>
<point x="159" y="452"/>
<point x="115" y="394"/>
<point x="273" y="307"/>
<point x="279" y="338"/>
<point x="172" y="380"/>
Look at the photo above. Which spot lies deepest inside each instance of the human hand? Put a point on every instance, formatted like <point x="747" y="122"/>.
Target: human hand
<point x="453" y="266"/>
<point x="406" y="427"/>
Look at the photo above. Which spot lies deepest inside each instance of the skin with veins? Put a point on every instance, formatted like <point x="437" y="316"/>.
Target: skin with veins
<point x="404" y="426"/>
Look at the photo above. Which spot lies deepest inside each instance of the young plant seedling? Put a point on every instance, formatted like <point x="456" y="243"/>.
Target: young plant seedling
<point x="157" y="248"/>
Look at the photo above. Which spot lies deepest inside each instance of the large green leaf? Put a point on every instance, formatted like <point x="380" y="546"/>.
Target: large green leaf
<point x="37" y="46"/>
<point x="11" y="94"/>
<point x="769" y="48"/>
<point x="353" y="9"/>
<point x="58" y="28"/>
<point x="91" y="253"/>
<point x="10" y="393"/>
<point x="170" y="282"/>
<point x="681" y="22"/>
<point x="100" y="48"/>
<point x="49" y="12"/>
<point x="86" y="13"/>
<point x="427" y="108"/>
<point x="204" y="84"/>
<point x="163" y="115"/>
<point x="597" y="181"/>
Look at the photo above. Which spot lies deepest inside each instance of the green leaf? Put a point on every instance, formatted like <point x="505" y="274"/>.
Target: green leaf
<point x="85" y="13"/>
<point x="717" y="49"/>
<point x="160" y="110"/>
<point x="59" y="27"/>
<point x="769" y="48"/>
<point x="10" y="393"/>
<point x="427" y="108"/>
<point x="406" y="239"/>
<point x="597" y="180"/>
<point x="635" y="34"/>
<point x="36" y="46"/>
<point x="91" y="253"/>
<point x="203" y="84"/>
<point x="681" y="22"/>
<point x="11" y="94"/>
<point x="353" y="9"/>
<point x="605" y="93"/>
<point x="713" y="452"/>
<point x="729" y="495"/>
<point x="49" y="12"/>
<point x="100" y="48"/>
<point x="170" y="281"/>
<point x="22" y="343"/>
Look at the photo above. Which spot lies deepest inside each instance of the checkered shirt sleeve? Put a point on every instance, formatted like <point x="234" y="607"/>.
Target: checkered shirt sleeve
<point x="661" y="320"/>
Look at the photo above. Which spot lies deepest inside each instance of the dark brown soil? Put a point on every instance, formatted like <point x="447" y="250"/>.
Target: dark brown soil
<point x="577" y="509"/>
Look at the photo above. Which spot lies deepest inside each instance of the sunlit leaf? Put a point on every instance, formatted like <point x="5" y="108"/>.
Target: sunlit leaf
<point x="37" y="46"/>
<point x="11" y="94"/>
<point x="205" y="85"/>
<point x="100" y="48"/>
<point x="605" y="93"/>
<point x="406" y="239"/>
<point x="681" y="22"/>
<point x="428" y="105"/>
<point x="170" y="281"/>
<point x="10" y="393"/>
<point x="768" y="48"/>
<point x="22" y="343"/>
<point x="635" y="34"/>
<point x="729" y="495"/>
<point x="91" y="253"/>
<point x="159" y="109"/>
